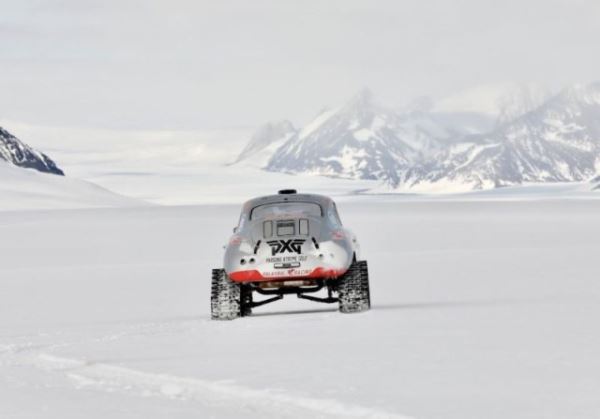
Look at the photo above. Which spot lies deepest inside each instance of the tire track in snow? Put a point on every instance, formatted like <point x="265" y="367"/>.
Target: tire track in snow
<point x="113" y="378"/>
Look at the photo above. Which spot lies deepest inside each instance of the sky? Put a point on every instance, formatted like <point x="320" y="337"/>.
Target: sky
<point x="197" y="64"/>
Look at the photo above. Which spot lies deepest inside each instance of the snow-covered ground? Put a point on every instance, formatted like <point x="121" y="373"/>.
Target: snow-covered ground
<point x="29" y="189"/>
<point x="481" y="310"/>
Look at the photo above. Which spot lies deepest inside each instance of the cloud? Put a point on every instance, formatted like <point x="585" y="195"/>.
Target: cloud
<point x="189" y="64"/>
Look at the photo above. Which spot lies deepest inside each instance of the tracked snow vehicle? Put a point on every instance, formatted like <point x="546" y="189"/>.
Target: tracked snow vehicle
<point x="285" y="244"/>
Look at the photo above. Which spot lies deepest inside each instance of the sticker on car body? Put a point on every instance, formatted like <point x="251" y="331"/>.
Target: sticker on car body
<point x="282" y="246"/>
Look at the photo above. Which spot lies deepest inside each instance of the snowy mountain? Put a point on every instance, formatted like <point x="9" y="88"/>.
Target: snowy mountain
<point x="519" y="100"/>
<point x="360" y="140"/>
<point x="503" y="102"/>
<point x="265" y="141"/>
<point x="20" y="154"/>
<point x="557" y="142"/>
<point x="421" y="150"/>
<point x="29" y="189"/>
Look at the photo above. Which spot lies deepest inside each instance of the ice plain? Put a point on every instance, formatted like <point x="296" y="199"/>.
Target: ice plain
<point x="480" y="309"/>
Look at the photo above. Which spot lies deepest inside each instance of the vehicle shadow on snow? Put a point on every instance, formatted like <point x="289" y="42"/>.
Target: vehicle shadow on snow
<point x="414" y="305"/>
<point x="280" y="313"/>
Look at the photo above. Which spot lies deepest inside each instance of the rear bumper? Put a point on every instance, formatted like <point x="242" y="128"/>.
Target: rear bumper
<point x="285" y="275"/>
<point x="328" y="259"/>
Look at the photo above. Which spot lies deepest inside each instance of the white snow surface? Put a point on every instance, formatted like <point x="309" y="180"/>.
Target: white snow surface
<point x="29" y="189"/>
<point x="481" y="309"/>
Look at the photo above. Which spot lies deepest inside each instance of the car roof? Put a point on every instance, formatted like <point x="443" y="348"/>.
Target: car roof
<point x="322" y="200"/>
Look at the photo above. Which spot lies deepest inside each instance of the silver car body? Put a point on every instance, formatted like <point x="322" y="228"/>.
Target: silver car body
<point x="288" y="237"/>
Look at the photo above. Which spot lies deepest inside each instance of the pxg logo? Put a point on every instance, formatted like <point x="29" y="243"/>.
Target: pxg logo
<point x="282" y="246"/>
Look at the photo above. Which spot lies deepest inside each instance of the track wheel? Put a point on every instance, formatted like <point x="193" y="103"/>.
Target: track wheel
<point x="353" y="289"/>
<point x="225" y="297"/>
<point x="246" y="300"/>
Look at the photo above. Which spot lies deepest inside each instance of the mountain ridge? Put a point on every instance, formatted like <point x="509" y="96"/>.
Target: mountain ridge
<point x="17" y="153"/>
<point x="557" y="141"/>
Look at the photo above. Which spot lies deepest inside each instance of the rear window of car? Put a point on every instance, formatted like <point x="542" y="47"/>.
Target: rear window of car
<point x="286" y="209"/>
<point x="286" y="228"/>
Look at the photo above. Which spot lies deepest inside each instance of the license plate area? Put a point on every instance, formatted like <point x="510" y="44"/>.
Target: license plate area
<point x="287" y="265"/>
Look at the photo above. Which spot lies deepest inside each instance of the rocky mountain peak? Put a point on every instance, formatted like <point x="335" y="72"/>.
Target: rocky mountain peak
<point x="20" y="154"/>
<point x="362" y="99"/>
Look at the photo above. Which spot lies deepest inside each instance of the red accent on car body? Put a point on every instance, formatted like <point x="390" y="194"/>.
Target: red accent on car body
<point x="255" y="276"/>
<point x="246" y="276"/>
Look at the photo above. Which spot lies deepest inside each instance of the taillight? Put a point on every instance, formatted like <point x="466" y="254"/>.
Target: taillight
<point x="338" y="235"/>
<point x="235" y="240"/>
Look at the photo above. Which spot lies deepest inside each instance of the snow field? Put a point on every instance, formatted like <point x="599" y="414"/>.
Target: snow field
<point x="480" y="309"/>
